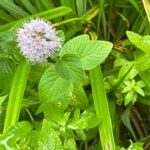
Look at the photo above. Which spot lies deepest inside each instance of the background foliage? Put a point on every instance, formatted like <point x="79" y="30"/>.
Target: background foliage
<point x="69" y="121"/>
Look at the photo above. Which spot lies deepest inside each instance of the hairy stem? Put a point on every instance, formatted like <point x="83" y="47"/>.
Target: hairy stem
<point x="16" y="94"/>
<point x="102" y="109"/>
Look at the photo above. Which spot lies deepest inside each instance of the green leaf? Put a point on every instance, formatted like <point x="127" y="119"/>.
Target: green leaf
<point x="54" y="89"/>
<point x="139" y="90"/>
<point x="70" y="144"/>
<point x="11" y="137"/>
<point x="39" y="5"/>
<point x="126" y="89"/>
<point x="86" y="120"/>
<point x="128" y="97"/>
<point x="51" y="112"/>
<point x="145" y="76"/>
<point x="81" y="6"/>
<point x="136" y="6"/>
<point x="70" y="68"/>
<point x="37" y="71"/>
<point x="13" y="9"/>
<point x="142" y="63"/>
<point x="4" y="16"/>
<point x="29" y="6"/>
<point x="79" y="98"/>
<point x="7" y="67"/>
<point x="2" y="99"/>
<point x="126" y="121"/>
<point x="49" y="138"/>
<point x="136" y="146"/>
<point x="147" y="10"/>
<point x="48" y="4"/>
<point x="73" y="44"/>
<point x="69" y="3"/>
<point x="33" y="140"/>
<point x="8" y="43"/>
<point x="134" y="39"/>
<point x="134" y="98"/>
<point x="140" y="83"/>
<point x="127" y="71"/>
<point x="91" y="53"/>
<point x="48" y="14"/>
<point x="142" y="43"/>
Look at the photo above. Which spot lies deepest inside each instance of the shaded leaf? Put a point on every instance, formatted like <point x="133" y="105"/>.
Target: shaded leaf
<point x="2" y="99"/>
<point x="50" y="88"/>
<point x="86" y="120"/>
<point x="49" y="138"/>
<point x="7" y="67"/>
<point x="79" y="98"/>
<point x="136" y="146"/>
<point x="142" y="63"/>
<point x="70" y="144"/>
<point x="11" y="137"/>
<point x="126" y="121"/>
<point x="142" y="43"/>
<point x="70" y="68"/>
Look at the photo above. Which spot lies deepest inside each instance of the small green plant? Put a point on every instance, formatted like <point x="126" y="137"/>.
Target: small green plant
<point x="131" y="89"/>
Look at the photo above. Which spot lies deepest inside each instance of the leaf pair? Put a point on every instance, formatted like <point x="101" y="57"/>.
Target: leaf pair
<point x="77" y="55"/>
<point x="81" y="54"/>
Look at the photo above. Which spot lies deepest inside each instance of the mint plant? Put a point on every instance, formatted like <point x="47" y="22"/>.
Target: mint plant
<point x="77" y="55"/>
<point x="72" y="77"/>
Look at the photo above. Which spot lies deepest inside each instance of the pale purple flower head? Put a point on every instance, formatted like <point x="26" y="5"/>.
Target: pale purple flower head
<point x="38" y="40"/>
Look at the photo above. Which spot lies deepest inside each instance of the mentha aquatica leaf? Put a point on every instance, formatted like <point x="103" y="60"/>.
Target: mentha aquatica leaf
<point x="90" y="52"/>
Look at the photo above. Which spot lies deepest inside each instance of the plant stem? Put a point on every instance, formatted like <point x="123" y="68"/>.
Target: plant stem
<point x="84" y="18"/>
<point x="102" y="109"/>
<point x="16" y="94"/>
<point x="146" y="4"/>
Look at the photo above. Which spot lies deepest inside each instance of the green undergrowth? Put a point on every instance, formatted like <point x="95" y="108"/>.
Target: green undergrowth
<point x="94" y="94"/>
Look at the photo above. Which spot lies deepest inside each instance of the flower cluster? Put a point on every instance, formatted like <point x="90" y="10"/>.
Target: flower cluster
<point x="37" y="40"/>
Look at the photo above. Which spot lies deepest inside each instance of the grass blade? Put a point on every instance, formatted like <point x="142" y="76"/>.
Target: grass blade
<point x="4" y="16"/>
<point x="146" y="4"/>
<point x="28" y="5"/>
<point x="13" y="9"/>
<point x="49" y="14"/>
<point x="102" y="109"/>
<point x="81" y="6"/>
<point x="16" y="94"/>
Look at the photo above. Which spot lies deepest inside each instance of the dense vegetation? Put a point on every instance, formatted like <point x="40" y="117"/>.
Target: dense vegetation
<point x="93" y="93"/>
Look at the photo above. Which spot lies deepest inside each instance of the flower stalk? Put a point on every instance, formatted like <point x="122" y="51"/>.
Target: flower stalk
<point x="16" y="94"/>
<point x="102" y="107"/>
